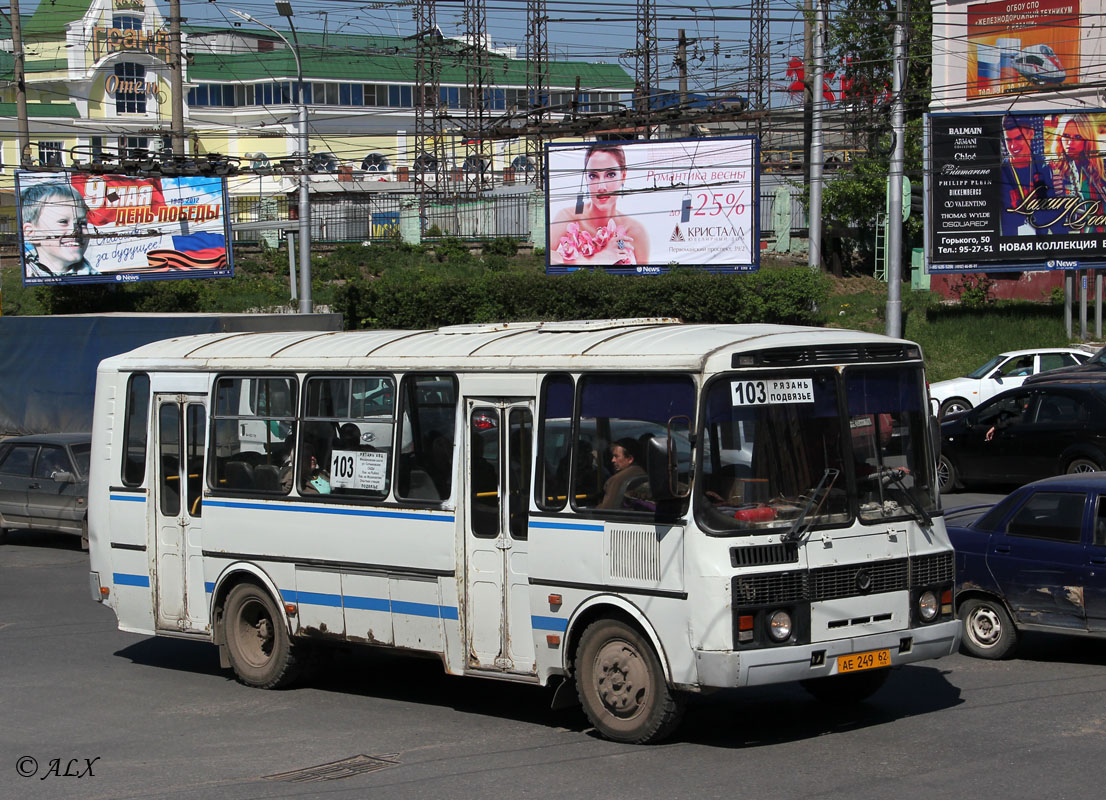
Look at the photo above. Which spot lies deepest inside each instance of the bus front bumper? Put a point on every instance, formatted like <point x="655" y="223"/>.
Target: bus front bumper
<point x="724" y="669"/>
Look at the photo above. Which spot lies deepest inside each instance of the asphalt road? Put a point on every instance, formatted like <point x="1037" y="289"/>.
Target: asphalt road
<point x="129" y="716"/>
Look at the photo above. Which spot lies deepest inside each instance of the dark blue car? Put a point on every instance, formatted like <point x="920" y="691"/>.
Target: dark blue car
<point x="1035" y="561"/>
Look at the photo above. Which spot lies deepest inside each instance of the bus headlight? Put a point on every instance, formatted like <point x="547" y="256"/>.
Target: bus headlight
<point x="779" y="626"/>
<point x="928" y="607"/>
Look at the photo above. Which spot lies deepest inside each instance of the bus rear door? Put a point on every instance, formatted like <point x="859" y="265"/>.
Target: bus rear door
<point x="181" y="424"/>
<point x="497" y="609"/>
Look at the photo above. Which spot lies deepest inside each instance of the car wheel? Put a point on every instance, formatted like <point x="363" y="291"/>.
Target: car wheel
<point x="988" y="630"/>
<point x="258" y="645"/>
<point x="946" y="475"/>
<point x="954" y="405"/>
<point x="622" y="686"/>
<point x="1081" y="464"/>
<point x="846" y="689"/>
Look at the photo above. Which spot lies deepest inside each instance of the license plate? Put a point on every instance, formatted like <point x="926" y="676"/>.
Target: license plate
<point x="873" y="659"/>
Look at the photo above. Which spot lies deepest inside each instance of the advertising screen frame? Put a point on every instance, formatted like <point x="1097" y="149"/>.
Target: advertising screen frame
<point x="656" y="203"/>
<point x="135" y="228"/>
<point x="990" y="209"/>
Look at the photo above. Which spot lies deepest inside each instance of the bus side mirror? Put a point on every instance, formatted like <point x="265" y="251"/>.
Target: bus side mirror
<point x="668" y="461"/>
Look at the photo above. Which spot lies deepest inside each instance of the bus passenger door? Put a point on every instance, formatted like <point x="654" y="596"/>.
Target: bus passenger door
<point x="180" y="598"/>
<point x="497" y="589"/>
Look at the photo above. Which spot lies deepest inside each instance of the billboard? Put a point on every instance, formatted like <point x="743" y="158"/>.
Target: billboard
<point x="642" y="207"/>
<point x="81" y="228"/>
<point x="1016" y="191"/>
<point x="1016" y="46"/>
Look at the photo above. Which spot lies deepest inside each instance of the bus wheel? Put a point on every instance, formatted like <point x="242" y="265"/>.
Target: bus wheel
<point x="846" y="689"/>
<point x="260" y="650"/>
<point x="622" y="687"/>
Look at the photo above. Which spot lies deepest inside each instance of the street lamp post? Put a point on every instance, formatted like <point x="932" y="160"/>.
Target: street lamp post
<point x="285" y="10"/>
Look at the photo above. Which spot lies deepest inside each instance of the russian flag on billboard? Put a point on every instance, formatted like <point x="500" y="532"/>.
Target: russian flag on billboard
<point x="195" y="251"/>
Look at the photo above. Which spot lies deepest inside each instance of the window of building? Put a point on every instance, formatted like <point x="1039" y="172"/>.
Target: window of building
<point x="126" y="22"/>
<point x="49" y="154"/>
<point x="130" y="91"/>
<point x="135" y="146"/>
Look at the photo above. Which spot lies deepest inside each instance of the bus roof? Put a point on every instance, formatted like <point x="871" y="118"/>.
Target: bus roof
<point x="616" y="344"/>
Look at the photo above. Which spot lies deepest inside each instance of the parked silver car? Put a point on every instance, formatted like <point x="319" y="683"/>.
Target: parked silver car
<point x="44" y="483"/>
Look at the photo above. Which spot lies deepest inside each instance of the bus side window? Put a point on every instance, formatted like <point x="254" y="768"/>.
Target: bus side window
<point x="136" y="429"/>
<point x="555" y="443"/>
<point x="623" y="422"/>
<point x="429" y="418"/>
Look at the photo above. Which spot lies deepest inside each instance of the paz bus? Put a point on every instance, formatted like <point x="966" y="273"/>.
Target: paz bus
<point x="632" y="511"/>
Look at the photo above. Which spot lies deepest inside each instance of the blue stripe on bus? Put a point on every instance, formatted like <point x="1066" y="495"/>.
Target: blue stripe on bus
<point x="125" y="579"/>
<point x="566" y="526"/>
<point x="370" y="604"/>
<point x="548" y="624"/>
<point x="345" y="512"/>
<point x="367" y="603"/>
<point x="128" y="498"/>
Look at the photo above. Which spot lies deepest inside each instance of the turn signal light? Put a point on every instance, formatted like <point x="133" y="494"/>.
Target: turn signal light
<point x="553" y="640"/>
<point x="104" y="592"/>
<point x="291" y="609"/>
<point x="555" y="599"/>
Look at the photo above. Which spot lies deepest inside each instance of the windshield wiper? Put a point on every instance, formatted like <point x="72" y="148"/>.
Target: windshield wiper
<point x="816" y="496"/>
<point x="889" y="475"/>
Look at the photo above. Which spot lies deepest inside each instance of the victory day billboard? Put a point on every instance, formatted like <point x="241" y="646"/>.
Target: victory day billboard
<point x="633" y="207"/>
<point x="79" y="228"/>
<point x="1017" y="191"/>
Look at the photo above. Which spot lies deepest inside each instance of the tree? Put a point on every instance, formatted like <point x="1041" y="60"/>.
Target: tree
<point x="860" y="39"/>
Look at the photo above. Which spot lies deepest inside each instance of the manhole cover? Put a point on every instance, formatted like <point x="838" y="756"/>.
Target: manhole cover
<point x="336" y="770"/>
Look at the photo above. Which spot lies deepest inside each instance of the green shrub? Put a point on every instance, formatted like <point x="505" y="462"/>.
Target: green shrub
<point x="424" y="299"/>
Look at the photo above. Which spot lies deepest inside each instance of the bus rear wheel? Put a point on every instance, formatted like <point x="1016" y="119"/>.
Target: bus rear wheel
<point x="622" y="686"/>
<point x="260" y="650"/>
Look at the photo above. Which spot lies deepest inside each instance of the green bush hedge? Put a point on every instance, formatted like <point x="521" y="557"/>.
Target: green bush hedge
<point x="424" y="299"/>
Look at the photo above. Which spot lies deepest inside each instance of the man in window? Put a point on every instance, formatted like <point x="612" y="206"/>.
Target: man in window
<point x="626" y="469"/>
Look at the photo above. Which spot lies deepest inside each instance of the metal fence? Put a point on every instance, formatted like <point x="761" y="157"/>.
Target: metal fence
<point x="375" y="217"/>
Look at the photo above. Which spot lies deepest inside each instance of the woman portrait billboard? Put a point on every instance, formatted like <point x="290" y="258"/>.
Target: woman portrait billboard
<point x="639" y="207"/>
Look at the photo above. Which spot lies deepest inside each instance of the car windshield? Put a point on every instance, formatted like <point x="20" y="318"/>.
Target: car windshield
<point x="1098" y="358"/>
<point x="780" y="445"/>
<point x="986" y="368"/>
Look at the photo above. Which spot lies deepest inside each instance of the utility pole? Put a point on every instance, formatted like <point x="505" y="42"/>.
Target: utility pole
<point x="23" y="135"/>
<point x="898" y="154"/>
<point x="537" y="86"/>
<point x="176" y="78"/>
<point x="808" y="84"/>
<point x="814" y="228"/>
<point x="645" y="63"/>
<point x="681" y="66"/>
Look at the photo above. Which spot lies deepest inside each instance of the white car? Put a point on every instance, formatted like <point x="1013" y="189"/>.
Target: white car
<point x="1004" y="371"/>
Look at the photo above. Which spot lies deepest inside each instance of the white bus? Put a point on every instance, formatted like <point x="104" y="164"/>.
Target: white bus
<point x="773" y="516"/>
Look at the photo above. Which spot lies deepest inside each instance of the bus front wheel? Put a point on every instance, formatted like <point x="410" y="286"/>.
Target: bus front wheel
<point x="260" y="650"/>
<point x="622" y="686"/>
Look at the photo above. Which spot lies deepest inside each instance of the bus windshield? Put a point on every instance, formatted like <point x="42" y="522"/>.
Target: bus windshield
<point x="778" y="447"/>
